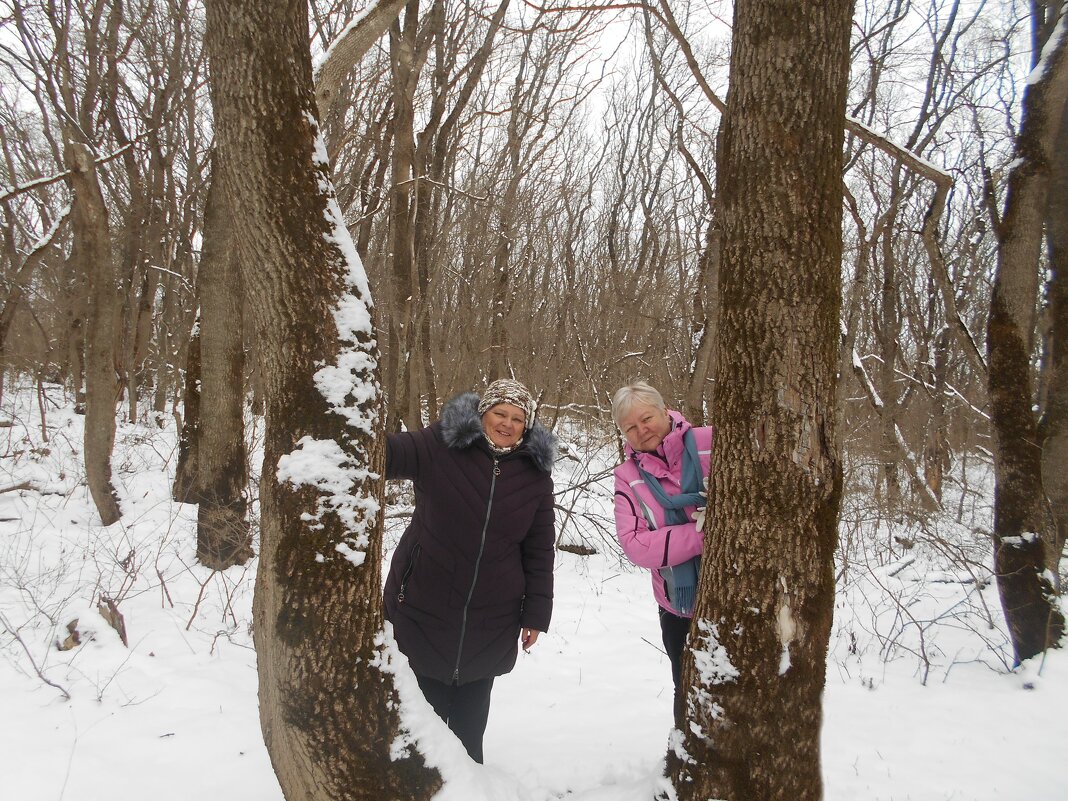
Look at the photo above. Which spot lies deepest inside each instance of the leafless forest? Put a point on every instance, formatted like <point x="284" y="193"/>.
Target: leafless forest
<point x="531" y="190"/>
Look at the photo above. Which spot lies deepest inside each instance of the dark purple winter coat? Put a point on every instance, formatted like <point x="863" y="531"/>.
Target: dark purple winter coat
<point x="476" y="563"/>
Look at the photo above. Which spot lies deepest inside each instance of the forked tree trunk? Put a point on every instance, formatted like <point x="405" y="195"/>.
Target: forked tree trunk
<point x="750" y="726"/>
<point x="329" y="713"/>
<point x="224" y="537"/>
<point x="1023" y="527"/>
<point x="92" y="243"/>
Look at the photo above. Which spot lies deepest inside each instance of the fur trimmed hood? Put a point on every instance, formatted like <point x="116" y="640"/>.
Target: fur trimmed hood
<point x="461" y="427"/>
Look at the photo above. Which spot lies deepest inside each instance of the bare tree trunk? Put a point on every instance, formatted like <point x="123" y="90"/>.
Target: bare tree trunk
<point x="1022" y="524"/>
<point x="138" y="332"/>
<point x="92" y="239"/>
<point x="750" y="729"/>
<point x="707" y="310"/>
<point x="224" y="537"/>
<point x="936" y="452"/>
<point x="888" y="334"/>
<point x="1053" y="429"/>
<point x="166" y="348"/>
<point x="436" y="148"/>
<point x="75" y="292"/>
<point x="185" y="472"/>
<point x="329" y="712"/>
<point x="407" y="62"/>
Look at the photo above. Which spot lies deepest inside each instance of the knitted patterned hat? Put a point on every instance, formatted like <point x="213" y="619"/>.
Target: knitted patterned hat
<point x="505" y="390"/>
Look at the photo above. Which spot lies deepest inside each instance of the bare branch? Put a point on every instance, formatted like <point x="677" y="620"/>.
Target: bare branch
<point x="14" y="191"/>
<point x="29" y="655"/>
<point x="349" y="48"/>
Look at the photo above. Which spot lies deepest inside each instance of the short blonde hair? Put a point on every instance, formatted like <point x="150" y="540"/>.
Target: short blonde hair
<point x="637" y="393"/>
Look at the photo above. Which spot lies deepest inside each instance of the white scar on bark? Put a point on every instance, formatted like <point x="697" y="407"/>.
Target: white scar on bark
<point x="787" y="628"/>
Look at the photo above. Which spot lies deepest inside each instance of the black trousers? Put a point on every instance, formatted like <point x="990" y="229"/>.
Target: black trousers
<point x="464" y="707"/>
<point x="674" y="630"/>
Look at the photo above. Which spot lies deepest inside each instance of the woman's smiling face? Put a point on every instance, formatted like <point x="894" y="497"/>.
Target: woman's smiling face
<point x="504" y="424"/>
<point x="645" y="427"/>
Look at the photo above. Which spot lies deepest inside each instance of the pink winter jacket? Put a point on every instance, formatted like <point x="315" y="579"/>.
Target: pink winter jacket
<point x="646" y="541"/>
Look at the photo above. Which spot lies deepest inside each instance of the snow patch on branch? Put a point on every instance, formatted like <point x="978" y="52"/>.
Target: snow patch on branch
<point x="1049" y="50"/>
<point x="50" y="234"/>
<point x="869" y="387"/>
<point x="901" y="152"/>
<point x="337" y="40"/>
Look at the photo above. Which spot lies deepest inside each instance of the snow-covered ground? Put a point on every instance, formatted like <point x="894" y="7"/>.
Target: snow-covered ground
<point x="919" y="701"/>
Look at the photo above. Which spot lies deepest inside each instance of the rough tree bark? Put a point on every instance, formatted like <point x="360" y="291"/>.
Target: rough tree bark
<point x="92" y="243"/>
<point x="328" y="710"/>
<point x="750" y="726"/>
<point x="1022" y="523"/>
<point x="224" y="537"/>
<point x="1053" y="428"/>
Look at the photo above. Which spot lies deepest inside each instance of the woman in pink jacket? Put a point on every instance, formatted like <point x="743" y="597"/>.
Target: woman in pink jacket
<point x="660" y="486"/>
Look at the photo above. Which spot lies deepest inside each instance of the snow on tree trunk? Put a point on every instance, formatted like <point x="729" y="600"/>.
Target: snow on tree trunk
<point x="750" y="728"/>
<point x="1054" y="427"/>
<point x="329" y="712"/>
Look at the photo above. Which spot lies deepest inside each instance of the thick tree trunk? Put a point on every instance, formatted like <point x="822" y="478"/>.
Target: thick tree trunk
<point x="224" y="537"/>
<point x="750" y="727"/>
<point x="92" y="241"/>
<point x="1053" y="430"/>
<point x="329" y="712"/>
<point x="1022" y="525"/>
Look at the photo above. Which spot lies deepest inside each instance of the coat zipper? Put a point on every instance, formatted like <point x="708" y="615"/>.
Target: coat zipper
<point x="408" y="572"/>
<point x="478" y="563"/>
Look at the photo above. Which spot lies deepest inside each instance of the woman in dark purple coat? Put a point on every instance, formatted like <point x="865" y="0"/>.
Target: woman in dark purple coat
<point x="473" y="574"/>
